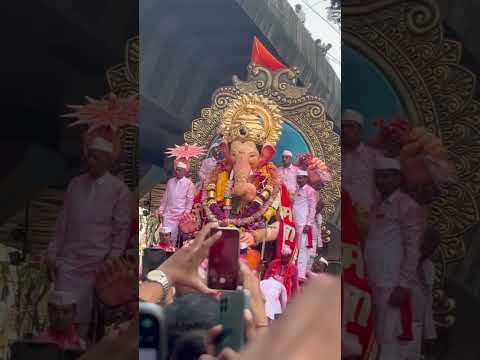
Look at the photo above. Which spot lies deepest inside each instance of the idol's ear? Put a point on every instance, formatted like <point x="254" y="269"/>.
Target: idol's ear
<point x="268" y="151"/>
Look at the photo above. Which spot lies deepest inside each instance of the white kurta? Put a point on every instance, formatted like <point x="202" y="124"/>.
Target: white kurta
<point x="275" y="297"/>
<point x="358" y="167"/>
<point x="177" y="200"/>
<point x="94" y="224"/>
<point x="288" y="176"/>
<point x="304" y="208"/>
<point x="391" y="256"/>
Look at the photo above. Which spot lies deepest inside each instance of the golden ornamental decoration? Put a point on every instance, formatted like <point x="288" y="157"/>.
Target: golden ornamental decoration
<point x="305" y="113"/>
<point x="405" y="40"/>
<point x="123" y="80"/>
<point x="252" y="117"/>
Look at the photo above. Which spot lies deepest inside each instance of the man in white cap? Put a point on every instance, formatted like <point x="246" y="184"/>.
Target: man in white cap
<point x="177" y="199"/>
<point x="288" y="172"/>
<point x="304" y="210"/>
<point x="61" y="316"/>
<point x="358" y="163"/>
<point x="210" y="162"/>
<point x="94" y="225"/>
<point x="391" y="256"/>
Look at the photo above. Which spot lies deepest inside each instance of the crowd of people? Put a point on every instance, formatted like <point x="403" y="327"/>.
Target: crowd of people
<point x="390" y="182"/>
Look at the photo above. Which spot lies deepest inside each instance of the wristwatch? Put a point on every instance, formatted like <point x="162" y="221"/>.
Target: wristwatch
<point x="159" y="277"/>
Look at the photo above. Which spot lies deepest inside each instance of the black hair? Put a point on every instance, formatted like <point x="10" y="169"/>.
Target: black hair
<point x="189" y="313"/>
<point x="189" y="346"/>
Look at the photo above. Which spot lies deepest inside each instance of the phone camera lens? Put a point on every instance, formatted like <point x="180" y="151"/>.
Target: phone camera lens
<point x="147" y="323"/>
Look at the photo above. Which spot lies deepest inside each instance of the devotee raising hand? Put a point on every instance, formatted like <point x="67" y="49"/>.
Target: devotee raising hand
<point x="182" y="267"/>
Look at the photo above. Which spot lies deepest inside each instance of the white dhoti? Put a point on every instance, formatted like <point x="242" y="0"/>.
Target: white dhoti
<point x="80" y="282"/>
<point x="388" y="327"/>
<point x="305" y="255"/>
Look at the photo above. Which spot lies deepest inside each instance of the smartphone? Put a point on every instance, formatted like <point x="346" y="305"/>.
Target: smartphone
<point x="223" y="260"/>
<point x="153" y="335"/>
<point x="232" y="306"/>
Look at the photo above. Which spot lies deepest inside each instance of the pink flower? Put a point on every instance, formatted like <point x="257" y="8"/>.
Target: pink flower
<point x="111" y="112"/>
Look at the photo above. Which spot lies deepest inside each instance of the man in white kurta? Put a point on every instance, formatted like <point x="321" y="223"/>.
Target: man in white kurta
<point x="304" y="210"/>
<point x="391" y="256"/>
<point x="287" y="173"/>
<point x="93" y="226"/>
<point x="177" y="199"/>
<point x="358" y="162"/>
<point x="275" y="294"/>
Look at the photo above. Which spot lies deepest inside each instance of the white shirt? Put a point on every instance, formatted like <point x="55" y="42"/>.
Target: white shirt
<point x="392" y="246"/>
<point x="178" y="198"/>
<point x="275" y="296"/>
<point x="288" y="176"/>
<point x="358" y="167"/>
<point x="304" y="206"/>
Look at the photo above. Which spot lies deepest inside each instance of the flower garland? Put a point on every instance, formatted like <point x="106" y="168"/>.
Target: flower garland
<point x="265" y="181"/>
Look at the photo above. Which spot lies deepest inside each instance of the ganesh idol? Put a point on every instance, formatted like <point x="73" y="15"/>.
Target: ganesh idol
<point x="243" y="190"/>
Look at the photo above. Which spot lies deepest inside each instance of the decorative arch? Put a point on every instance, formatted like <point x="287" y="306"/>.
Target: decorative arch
<point x="123" y="80"/>
<point x="305" y="113"/>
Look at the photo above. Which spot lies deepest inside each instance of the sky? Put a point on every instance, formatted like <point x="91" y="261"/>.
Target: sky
<point x="322" y="29"/>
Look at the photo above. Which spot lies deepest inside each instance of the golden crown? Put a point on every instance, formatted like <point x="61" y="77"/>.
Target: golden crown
<point x="252" y="117"/>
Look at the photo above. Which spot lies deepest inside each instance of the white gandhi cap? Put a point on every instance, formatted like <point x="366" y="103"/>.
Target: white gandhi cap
<point x="352" y="115"/>
<point x="181" y="165"/>
<point x="385" y="163"/>
<point x="302" y="173"/>
<point x="287" y="153"/>
<point x="57" y="297"/>
<point x="165" y="230"/>
<point x="323" y="260"/>
<point x="101" y="144"/>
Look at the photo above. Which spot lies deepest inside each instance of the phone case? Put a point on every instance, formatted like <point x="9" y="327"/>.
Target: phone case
<point x="153" y="337"/>
<point x="232" y="306"/>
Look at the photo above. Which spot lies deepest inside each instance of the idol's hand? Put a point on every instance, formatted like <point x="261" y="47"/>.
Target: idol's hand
<point x="247" y="238"/>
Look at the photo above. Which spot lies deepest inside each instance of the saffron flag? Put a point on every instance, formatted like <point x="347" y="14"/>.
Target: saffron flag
<point x="261" y="56"/>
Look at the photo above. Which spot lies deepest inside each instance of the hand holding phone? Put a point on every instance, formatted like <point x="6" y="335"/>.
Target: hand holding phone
<point x="232" y="307"/>
<point x="223" y="260"/>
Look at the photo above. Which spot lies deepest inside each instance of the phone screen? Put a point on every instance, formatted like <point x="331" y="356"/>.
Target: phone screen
<point x="150" y="344"/>
<point x="223" y="260"/>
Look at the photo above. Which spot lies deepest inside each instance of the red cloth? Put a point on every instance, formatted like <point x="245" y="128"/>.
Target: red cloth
<point x="349" y="237"/>
<point x="287" y="226"/>
<point x="309" y="238"/>
<point x="406" y="318"/>
<point x="67" y="340"/>
<point x="289" y="273"/>
<point x="261" y="56"/>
